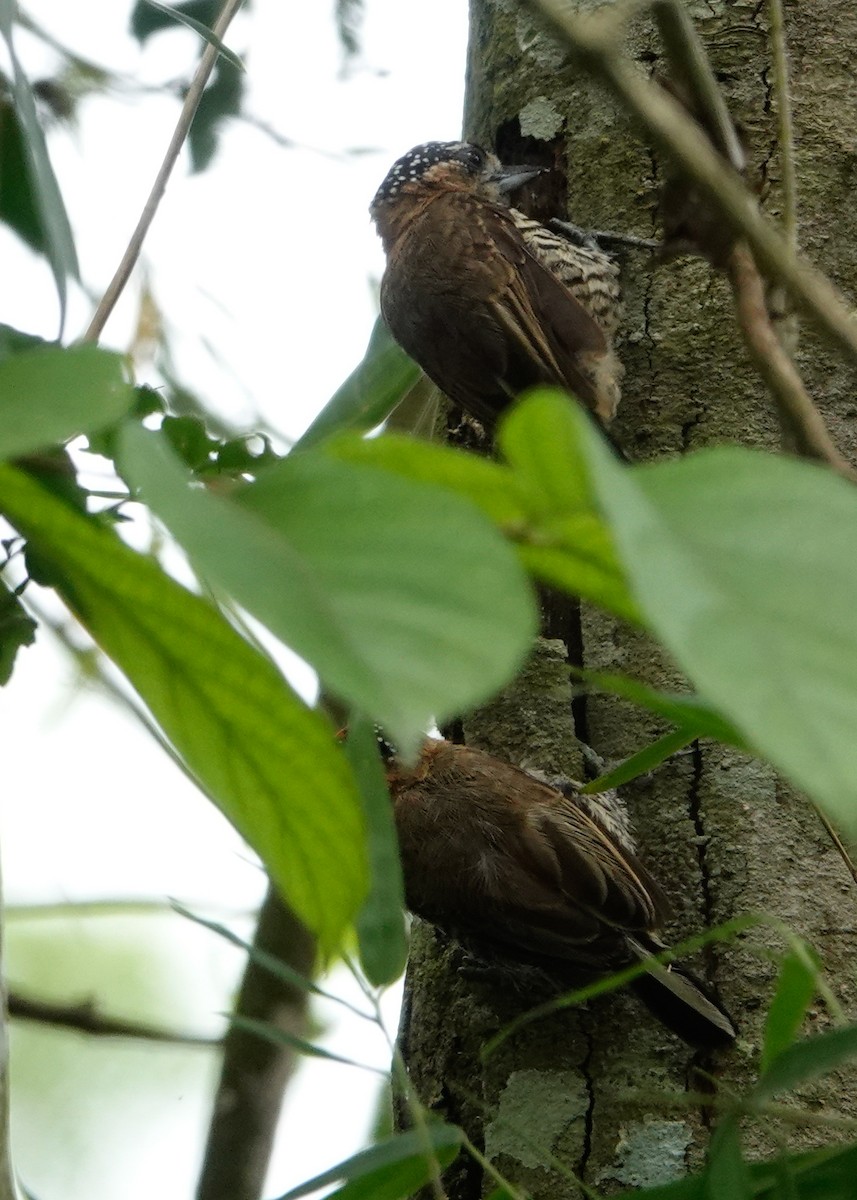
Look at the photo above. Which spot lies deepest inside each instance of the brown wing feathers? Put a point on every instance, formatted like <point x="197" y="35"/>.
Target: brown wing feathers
<point x="467" y="298"/>
<point x="501" y="859"/>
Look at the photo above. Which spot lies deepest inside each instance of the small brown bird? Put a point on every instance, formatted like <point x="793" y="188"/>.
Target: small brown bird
<point x="524" y="873"/>
<point x="487" y="301"/>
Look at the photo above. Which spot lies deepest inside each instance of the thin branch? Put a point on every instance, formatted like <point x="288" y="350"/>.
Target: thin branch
<point x="834" y="836"/>
<point x="85" y="1018"/>
<point x="51" y="910"/>
<point x="593" y="44"/>
<point x="109" y="906"/>
<point x="691" y="68"/>
<point x="191" y="103"/>
<point x="255" y="1071"/>
<point x="797" y="413"/>
<point x="785" y="126"/>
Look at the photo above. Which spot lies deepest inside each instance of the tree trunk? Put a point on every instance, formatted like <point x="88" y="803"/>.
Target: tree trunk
<point x="588" y="1090"/>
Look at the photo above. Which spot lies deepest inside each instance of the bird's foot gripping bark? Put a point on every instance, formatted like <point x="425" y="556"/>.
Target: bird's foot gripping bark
<point x="601" y="239"/>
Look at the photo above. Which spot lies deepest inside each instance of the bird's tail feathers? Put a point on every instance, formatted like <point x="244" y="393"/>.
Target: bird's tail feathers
<point x="683" y="1003"/>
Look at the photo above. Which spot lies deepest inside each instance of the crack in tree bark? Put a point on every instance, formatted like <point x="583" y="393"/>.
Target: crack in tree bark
<point x="694" y="808"/>
<point x="589" y="1085"/>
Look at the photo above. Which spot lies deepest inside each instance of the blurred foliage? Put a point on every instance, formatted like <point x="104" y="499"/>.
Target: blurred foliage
<point x="224" y="91"/>
<point x="148" y="19"/>
<point x="222" y="98"/>
<point x="31" y="202"/>
<point x="17" y="629"/>
<point x="348" y="15"/>
<point x="18" y="207"/>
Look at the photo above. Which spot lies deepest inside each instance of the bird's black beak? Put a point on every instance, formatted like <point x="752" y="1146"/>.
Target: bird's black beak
<point x="509" y="178"/>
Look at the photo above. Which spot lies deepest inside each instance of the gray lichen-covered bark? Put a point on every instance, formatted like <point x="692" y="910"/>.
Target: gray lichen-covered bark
<point x="588" y="1090"/>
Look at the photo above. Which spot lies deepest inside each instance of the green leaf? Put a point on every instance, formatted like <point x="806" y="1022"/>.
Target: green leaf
<point x="268" y="962"/>
<point x="542" y="446"/>
<point x="244" y="455"/>
<point x="796" y="988"/>
<point x="806" y="1060"/>
<point x="370" y="392"/>
<point x="13" y="341"/>
<point x="693" y="718"/>
<point x="727" y="1174"/>
<point x="348" y="18"/>
<point x="51" y="394"/>
<point x="487" y="484"/>
<point x="786" y="1183"/>
<point x="147" y="19"/>
<point x="270" y="763"/>
<point x="282" y="1037"/>
<point x="559" y="536"/>
<point x="224" y="92"/>
<point x="190" y="440"/>
<point x="641" y="763"/>
<point x="369" y="1167"/>
<point x="381" y="923"/>
<point x="55" y="236"/>
<point x="18" y="207"/>
<point x="390" y="1183"/>
<point x="183" y="17"/>
<point x="17" y="629"/>
<point x="221" y="99"/>
<point x="570" y="546"/>
<point x="818" y="1175"/>
<point x="688" y="712"/>
<point x="744" y="566"/>
<point x="402" y="597"/>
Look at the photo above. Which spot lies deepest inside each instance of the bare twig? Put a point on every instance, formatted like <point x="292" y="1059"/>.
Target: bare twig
<point x="593" y="44"/>
<point x="690" y="67"/>
<point x="191" y="103"/>
<point x="108" y="907"/>
<point x="785" y="133"/>
<point x="841" y="848"/>
<point x="87" y="1019"/>
<point x="255" y="1071"/>
<point x="798" y="414"/>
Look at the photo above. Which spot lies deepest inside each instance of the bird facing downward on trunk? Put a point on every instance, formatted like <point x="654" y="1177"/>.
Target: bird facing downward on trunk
<point x="524" y="873"/>
<point x="486" y="300"/>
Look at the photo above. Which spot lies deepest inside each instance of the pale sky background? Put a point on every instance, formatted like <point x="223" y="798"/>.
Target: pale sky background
<point x="263" y="266"/>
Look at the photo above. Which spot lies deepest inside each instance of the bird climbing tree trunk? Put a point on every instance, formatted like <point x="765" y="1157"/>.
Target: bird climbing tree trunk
<point x="598" y="1093"/>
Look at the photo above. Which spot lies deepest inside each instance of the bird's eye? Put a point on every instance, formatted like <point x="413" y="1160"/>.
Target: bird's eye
<point x="474" y="158"/>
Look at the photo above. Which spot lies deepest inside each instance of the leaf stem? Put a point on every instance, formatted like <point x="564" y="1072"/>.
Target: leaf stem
<point x="191" y="103"/>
